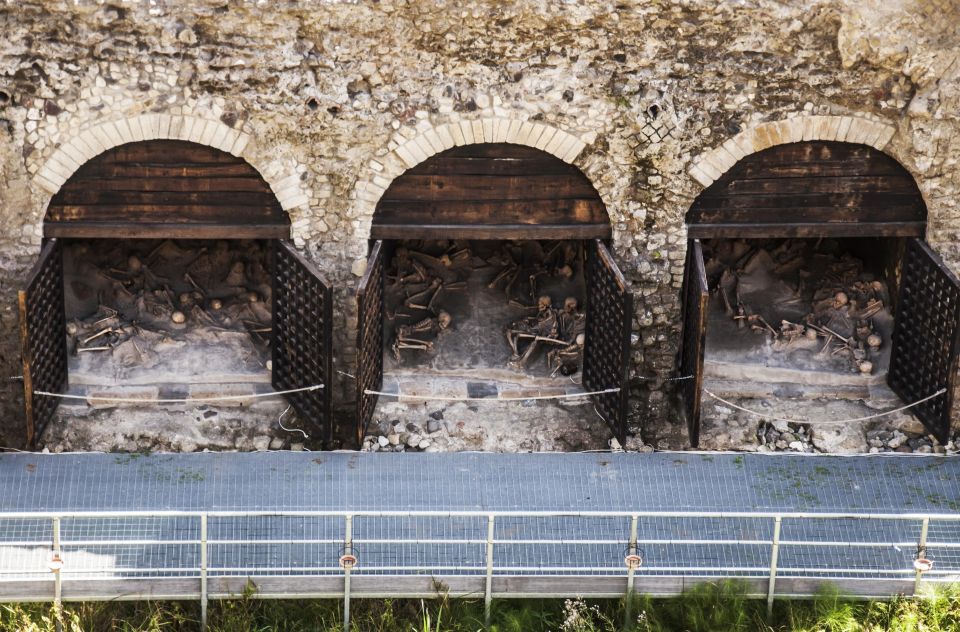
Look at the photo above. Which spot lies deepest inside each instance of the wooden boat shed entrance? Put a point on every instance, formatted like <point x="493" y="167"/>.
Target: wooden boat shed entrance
<point x="500" y="191"/>
<point x="171" y="189"/>
<point x="819" y="189"/>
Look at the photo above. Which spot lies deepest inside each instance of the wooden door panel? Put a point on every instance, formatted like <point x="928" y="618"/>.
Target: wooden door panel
<point x="926" y="337"/>
<point x="606" y="362"/>
<point x="696" y="296"/>
<point x="369" y="339"/>
<point x="43" y="339"/>
<point x="302" y="336"/>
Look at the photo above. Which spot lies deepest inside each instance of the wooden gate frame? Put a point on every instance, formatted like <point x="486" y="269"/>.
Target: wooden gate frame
<point x="369" y="338"/>
<point x="43" y="339"/>
<point x="301" y="340"/>
<point x="925" y="358"/>
<point x="696" y="297"/>
<point x="606" y="354"/>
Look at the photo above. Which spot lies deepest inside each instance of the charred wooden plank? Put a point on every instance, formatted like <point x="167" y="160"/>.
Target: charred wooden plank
<point x="138" y="188"/>
<point x="235" y="183"/>
<point x="798" y="186"/>
<point x="461" y="212"/>
<point x="490" y="187"/>
<point x="172" y="213"/>
<point x="161" y="170"/>
<point x="487" y="191"/>
<point x="164" y="230"/>
<point x="94" y="198"/>
<point x="491" y="231"/>
<point x="544" y="165"/>
<point x="816" y="229"/>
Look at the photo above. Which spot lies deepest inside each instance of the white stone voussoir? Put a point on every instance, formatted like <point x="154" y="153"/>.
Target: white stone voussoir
<point x="93" y="140"/>
<point x="712" y="164"/>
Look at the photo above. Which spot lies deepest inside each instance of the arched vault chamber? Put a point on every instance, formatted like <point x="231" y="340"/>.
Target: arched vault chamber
<point x="807" y="271"/>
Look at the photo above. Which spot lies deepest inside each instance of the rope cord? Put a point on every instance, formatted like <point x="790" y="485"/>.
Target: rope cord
<point x="438" y="398"/>
<point x="282" y="427"/>
<point x="832" y="421"/>
<point x="214" y="398"/>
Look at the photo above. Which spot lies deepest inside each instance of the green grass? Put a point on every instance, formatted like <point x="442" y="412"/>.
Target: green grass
<point x="707" y="608"/>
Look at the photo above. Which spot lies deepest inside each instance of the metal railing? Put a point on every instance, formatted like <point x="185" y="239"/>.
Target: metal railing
<point x="341" y="554"/>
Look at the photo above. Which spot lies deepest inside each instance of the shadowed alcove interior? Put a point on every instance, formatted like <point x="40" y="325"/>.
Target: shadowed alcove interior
<point x="489" y="277"/>
<point x="165" y="275"/>
<point x="807" y="274"/>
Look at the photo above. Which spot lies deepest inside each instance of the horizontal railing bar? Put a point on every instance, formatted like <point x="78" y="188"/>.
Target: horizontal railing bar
<point x="806" y="543"/>
<point x="621" y="570"/>
<point x="235" y="542"/>
<point x="402" y="541"/>
<point x="66" y="543"/>
<point x="23" y="515"/>
<point x="847" y="571"/>
<point x="626" y="542"/>
<point x="122" y="570"/>
<point x="886" y="545"/>
<point x="550" y="572"/>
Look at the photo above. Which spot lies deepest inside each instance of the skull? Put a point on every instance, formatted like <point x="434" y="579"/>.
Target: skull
<point x="874" y="341"/>
<point x="544" y="303"/>
<point x="133" y="264"/>
<point x="810" y="333"/>
<point x="186" y="299"/>
<point x="178" y="318"/>
<point x="840" y="299"/>
<point x="444" y="319"/>
<point x="581" y="339"/>
<point x="566" y="272"/>
<point x="216" y="304"/>
<point x="570" y="305"/>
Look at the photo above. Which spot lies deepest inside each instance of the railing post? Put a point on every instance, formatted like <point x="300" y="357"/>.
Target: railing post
<point x="631" y="568"/>
<point x="56" y="564"/>
<point x="347" y="551"/>
<point x="774" y="552"/>
<point x="921" y="553"/>
<point x="488" y="588"/>
<point x="203" y="571"/>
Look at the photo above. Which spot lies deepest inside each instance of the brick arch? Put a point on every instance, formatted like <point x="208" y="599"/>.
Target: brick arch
<point x="95" y="140"/>
<point x="709" y="166"/>
<point x="406" y="153"/>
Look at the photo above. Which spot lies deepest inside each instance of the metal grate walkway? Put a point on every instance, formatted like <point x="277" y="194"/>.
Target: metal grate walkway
<point x="202" y="525"/>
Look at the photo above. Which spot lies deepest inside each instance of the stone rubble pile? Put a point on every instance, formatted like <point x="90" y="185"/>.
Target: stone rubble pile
<point x="782" y="436"/>
<point x="490" y="427"/>
<point x="892" y="440"/>
<point x="396" y="436"/>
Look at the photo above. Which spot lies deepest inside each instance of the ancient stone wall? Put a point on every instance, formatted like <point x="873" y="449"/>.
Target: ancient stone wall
<point x="332" y="100"/>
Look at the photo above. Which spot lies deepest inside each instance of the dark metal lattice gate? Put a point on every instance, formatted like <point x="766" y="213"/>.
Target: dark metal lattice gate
<point x="696" y="296"/>
<point x="926" y="337"/>
<point x="302" y="336"/>
<point x="606" y="357"/>
<point x="369" y="338"/>
<point x="43" y="339"/>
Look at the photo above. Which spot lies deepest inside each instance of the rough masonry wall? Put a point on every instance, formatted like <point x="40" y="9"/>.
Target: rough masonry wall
<point x="333" y="100"/>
